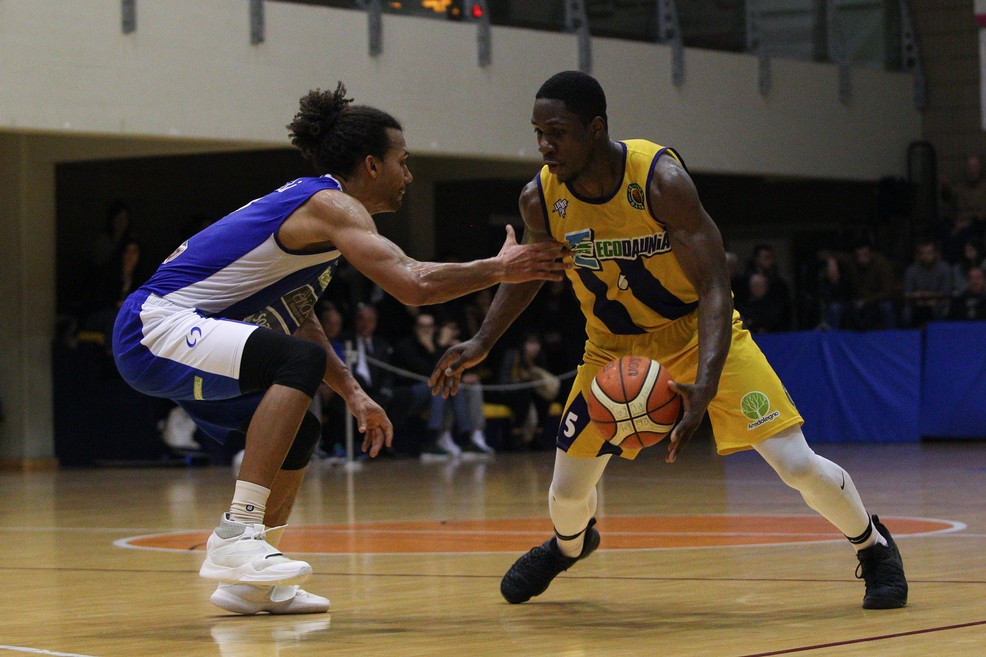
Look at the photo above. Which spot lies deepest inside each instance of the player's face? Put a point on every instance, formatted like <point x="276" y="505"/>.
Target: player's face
<point x="564" y="143"/>
<point x="394" y="174"/>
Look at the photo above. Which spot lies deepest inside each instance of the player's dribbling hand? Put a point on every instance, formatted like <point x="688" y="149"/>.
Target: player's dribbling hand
<point x="538" y="261"/>
<point x="694" y="411"/>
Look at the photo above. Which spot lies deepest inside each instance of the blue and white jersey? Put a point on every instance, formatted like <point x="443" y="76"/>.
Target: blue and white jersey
<point x="237" y="268"/>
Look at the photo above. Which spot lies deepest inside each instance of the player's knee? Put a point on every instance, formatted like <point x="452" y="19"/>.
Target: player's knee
<point x="799" y="473"/>
<point x="303" y="367"/>
<point x="271" y="358"/>
<point x="304" y="444"/>
<point x="562" y="497"/>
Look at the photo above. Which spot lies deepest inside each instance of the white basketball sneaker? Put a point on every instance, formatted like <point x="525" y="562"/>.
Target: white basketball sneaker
<point x="248" y="599"/>
<point x="237" y="553"/>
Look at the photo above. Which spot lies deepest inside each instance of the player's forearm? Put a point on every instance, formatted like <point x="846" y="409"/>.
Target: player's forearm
<point x="715" y="312"/>
<point x="437" y="282"/>
<point x="337" y="375"/>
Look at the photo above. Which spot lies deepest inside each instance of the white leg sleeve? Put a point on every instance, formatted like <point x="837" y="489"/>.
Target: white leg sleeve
<point x="572" y="497"/>
<point x="825" y="486"/>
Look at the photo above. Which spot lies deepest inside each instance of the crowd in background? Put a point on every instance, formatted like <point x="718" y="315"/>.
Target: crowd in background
<point x="394" y="346"/>
<point x="861" y="287"/>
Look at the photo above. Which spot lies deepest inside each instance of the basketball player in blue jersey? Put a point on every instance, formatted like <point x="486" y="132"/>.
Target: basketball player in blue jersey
<point x="650" y="275"/>
<point x="225" y="328"/>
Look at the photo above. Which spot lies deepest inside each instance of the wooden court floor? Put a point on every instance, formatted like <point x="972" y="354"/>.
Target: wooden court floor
<point x="708" y="557"/>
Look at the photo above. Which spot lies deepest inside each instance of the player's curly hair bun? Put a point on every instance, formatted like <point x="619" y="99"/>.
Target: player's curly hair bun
<point x="319" y="111"/>
<point x="334" y="135"/>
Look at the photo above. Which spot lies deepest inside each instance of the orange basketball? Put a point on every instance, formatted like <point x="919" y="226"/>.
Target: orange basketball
<point x="631" y="404"/>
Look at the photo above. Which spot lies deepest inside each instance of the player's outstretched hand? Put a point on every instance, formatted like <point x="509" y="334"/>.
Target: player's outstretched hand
<point x="447" y="373"/>
<point x="372" y="422"/>
<point x="695" y="401"/>
<point x="539" y="261"/>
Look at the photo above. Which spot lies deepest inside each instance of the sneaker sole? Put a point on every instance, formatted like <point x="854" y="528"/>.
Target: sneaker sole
<point x="246" y="574"/>
<point x="237" y="605"/>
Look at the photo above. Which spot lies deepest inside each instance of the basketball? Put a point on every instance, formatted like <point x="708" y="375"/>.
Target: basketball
<point x="631" y="403"/>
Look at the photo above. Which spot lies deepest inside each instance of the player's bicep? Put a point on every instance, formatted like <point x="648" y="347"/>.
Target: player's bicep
<point x="532" y="212"/>
<point x="374" y="256"/>
<point x="695" y="238"/>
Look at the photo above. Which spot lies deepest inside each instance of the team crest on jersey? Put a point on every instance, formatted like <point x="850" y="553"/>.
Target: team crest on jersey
<point x="635" y="195"/>
<point x="561" y="207"/>
<point x="177" y="252"/>
<point x="589" y="252"/>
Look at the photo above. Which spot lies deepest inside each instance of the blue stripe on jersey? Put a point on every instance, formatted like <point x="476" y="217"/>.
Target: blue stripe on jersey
<point x="651" y="292"/>
<point x="207" y="272"/>
<point x="611" y="313"/>
<point x="271" y="298"/>
<point x="544" y="205"/>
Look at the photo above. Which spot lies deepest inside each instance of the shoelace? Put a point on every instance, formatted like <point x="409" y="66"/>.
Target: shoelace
<point x="868" y="569"/>
<point x="262" y="535"/>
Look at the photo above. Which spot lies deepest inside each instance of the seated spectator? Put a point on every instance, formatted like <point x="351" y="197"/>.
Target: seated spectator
<point x="968" y="198"/>
<point x="529" y="406"/>
<point x="121" y="275"/>
<point x="833" y="288"/>
<point x="117" y="230"/>
<point x="418" y="353"/>
<point x="763" y="261"/>
<point x="760" y="312"/>
<point x="370" y="352"/>
<point x="928" y="286"/>
<point x="971" y="303"/>
<point x="872" y="289"/>
<point x="973" y="257"/>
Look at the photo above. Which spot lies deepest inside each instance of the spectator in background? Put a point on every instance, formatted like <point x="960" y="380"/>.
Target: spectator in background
<point x="118" y="277"/>
<point x="972" y="257"/>
<point x="763" y="261"/>
<point x="556" y="316"/>
<point x="759" y="311"/>
<point x="418" y="354"/>
<point x="872" y="289"/>
<point x="117" y="230"/>
<point x="369" y="347"/>
<point x="928" y="286"/>
<point x="327" y="405"/>
<point x="968" y="198"/>
<point x="833" y="288"/>
<point x="971" y="303"/>
<point x="529" y="406"/>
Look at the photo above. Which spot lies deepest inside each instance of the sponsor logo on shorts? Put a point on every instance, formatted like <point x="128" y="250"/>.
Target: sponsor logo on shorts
<point x="756" y="406"/>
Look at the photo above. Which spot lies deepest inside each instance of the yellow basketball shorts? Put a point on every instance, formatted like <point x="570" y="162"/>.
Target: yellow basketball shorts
<point x="751" y="404"/>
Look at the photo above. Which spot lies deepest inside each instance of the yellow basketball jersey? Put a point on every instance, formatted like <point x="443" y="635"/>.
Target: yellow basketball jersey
<point x="625" y="273"/>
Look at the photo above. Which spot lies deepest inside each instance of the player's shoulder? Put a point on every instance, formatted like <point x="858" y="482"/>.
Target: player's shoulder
<point x="530" y="195"/>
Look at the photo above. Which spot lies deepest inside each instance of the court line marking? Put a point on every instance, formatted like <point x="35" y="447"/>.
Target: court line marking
<point x="882" y="637"/>
<point x="39" y="651"/>
<point x="367" y="527"/>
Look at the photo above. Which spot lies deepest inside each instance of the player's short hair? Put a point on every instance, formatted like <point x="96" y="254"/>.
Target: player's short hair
<point x="335" y="135"/>
<point x="581" y="93"/>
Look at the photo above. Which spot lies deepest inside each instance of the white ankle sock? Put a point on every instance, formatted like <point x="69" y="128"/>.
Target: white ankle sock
<point x="249" y="502"/>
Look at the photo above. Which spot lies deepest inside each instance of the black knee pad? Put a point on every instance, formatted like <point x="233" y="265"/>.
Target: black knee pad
<point x="272" y="358"/>
<point x="304" y="444"/>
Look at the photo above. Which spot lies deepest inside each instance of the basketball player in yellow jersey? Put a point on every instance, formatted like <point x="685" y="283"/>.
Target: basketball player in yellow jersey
<point x="650" y="274"/>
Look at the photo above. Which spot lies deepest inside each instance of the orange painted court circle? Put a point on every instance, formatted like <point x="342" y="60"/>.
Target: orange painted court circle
<point x="649" y="532"/>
